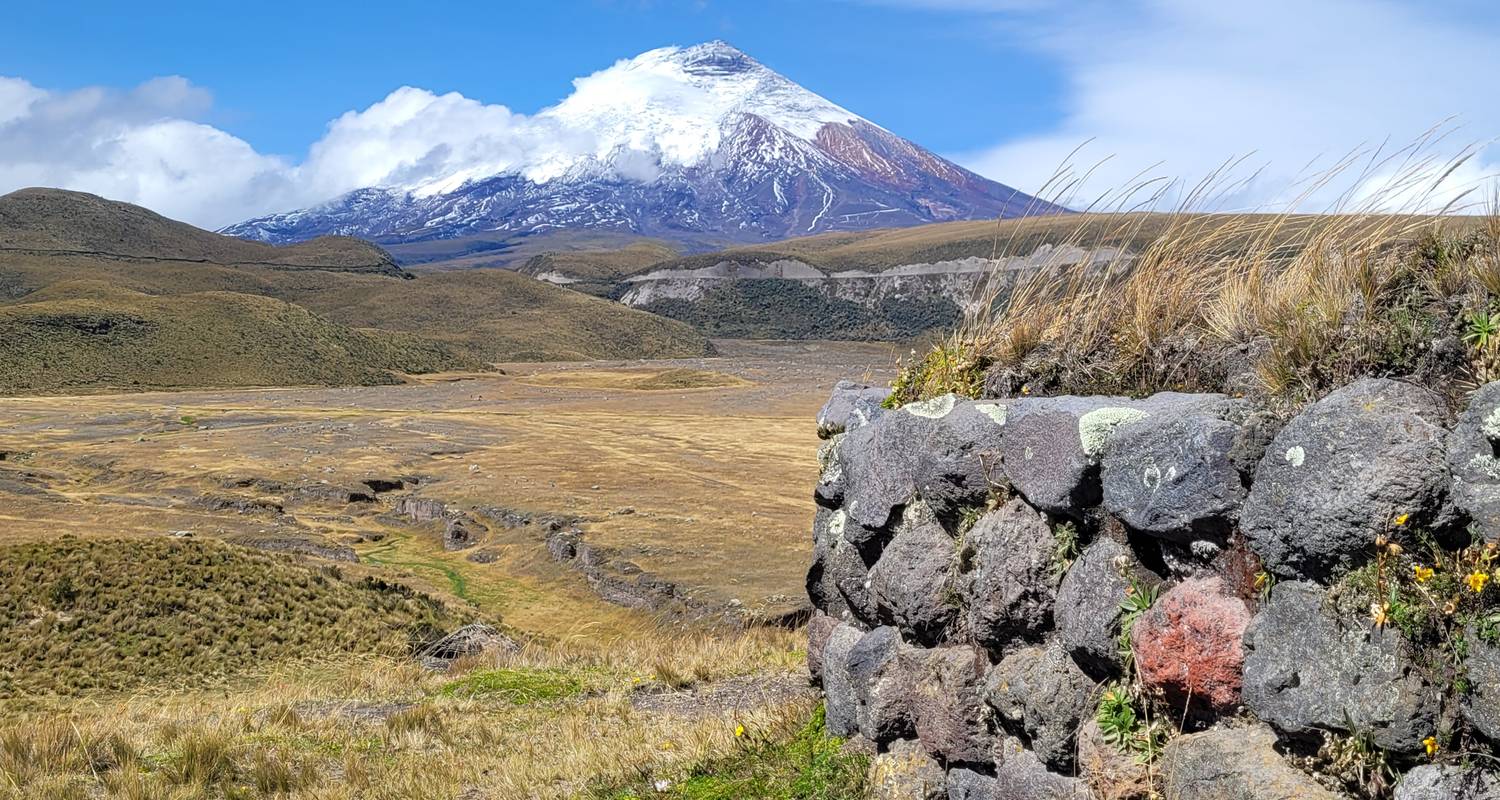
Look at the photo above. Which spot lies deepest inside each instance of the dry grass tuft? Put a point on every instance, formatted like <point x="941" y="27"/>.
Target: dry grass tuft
<point x="1284" y="306"/>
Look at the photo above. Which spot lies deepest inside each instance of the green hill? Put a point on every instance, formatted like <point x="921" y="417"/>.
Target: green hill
<point x="88" y="335"/>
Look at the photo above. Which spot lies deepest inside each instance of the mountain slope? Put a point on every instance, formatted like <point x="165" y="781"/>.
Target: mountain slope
<point x="677" y="143"/>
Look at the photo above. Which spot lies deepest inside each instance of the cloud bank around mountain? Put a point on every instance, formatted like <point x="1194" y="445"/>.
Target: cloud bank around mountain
<point x="1172" y="87"/>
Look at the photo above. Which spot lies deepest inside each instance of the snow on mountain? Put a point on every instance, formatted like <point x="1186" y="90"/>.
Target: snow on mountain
<point x="676" y="141"/>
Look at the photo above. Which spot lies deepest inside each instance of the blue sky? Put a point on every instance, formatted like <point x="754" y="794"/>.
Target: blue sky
<point x="279" y="71"/>
<point x="215" y="112"/>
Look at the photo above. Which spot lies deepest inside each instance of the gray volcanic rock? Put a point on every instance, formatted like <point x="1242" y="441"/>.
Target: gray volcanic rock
<point x="1474" y="459"/>
<point x="1043" y="697"/>
<point x="829" y="493"/>
<point x="1482" y="705"/>
<point x="846" y="568"/>
<point x="851" y="405"/>
<point x="1010" y="587"/>
<point x="1052" y="445"/>
<point x="1020" y="775"/>
<point x="966" y="784"/>
<point x="905" y="772"/>
<point x="822" y="575"/>
<point x="840" y="704"/>
<point x="913" y="582"/>
<point x="1307" y="669"/>
<point x="881" y="671"/>
<point x="1233" y="764"/>
<point x="948" y="704"/>
<point x="943" y="450"/>
<point x="820" y="628"/>
<point x="1174" y="476"/>
<point x="1438" y="782"/>
<point x="1337" y="474"/>
<point x="1088" y="611"/>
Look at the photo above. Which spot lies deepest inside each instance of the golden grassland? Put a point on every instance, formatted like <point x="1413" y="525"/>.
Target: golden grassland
<point x="259" y="675"/>
<point x="546" y="722"/>
<point x="1283" y="307"/>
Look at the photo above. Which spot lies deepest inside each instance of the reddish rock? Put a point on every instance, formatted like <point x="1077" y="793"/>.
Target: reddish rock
<point x="1188" y="645"/>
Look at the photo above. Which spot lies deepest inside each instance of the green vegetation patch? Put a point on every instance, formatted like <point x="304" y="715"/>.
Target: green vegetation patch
<point x="80" y="615"/>
<point x="516" y="686"/>
<point x="808" y="766"/>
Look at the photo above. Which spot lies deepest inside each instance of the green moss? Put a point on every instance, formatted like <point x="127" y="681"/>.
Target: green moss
<point x="808" y="766"/>
<point x="516" y="686"/>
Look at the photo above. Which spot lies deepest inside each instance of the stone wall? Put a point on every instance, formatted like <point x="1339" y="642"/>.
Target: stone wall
<point x="1178" y="596"/>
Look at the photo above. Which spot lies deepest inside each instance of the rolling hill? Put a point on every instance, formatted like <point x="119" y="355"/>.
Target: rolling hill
<point x="97" y="295"/>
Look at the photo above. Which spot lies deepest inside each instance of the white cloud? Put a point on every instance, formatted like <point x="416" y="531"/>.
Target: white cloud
<point x="1293" y="84"/>
<point x="140" y="146"/>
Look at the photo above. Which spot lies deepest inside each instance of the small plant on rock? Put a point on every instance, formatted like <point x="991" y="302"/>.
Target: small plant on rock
<point x="1130" y="731"/>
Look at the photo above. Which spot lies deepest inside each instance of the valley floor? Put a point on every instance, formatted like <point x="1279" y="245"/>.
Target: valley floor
<point x="691" y="475"/>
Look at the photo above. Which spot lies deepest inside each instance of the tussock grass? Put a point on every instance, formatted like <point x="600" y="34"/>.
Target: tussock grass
<point x="83" y="615"/>
<point x="379" y="727"/>
<point x="1284" y="306"/>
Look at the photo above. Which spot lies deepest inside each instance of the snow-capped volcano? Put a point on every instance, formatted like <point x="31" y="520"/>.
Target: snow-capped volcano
<point x="702" y="140"/>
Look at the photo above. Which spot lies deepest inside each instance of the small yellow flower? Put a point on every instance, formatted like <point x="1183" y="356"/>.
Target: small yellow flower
<point x="1400" y="519"/>
<point x="739" y="730"/>
<point x="1026" y="389"/>
<point x="1431" y="743"/>
<point x="1379" y="612"/>
<point x="1421" y="573"/>
<point x="1477" y="580"/>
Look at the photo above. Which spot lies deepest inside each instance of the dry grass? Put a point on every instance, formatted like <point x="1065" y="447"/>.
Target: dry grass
<point x="1284" y="305"/>
<point x="383" y="728"/>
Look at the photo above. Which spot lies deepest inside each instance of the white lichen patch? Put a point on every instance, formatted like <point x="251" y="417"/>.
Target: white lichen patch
<point x="1096" y="427"/>
<point x="936" y="408"/>
<point x="1491" y="425"/>
<point x="994" y="411"/>
<point x="1295" y="455"/>
<point x="836" y="525"/>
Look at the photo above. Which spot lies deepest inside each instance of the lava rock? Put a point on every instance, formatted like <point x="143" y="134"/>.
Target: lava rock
<point x="1481" y="707"/>
<point x="1436" y="782"/>
<point x="1088" y="611"/>
<point x="852" y="579"/>
<point x="1188" y="646"/>
<point x="966" y="784"/>
<point x="948" y="706"/>
<point x="1338" y="472"/>
<point x="1042" y="696"/>
<point x="420" y="509"/>
<point x="1052" y="445"/>
<point x="1020" y="775"/>
<point x="1307" y="669"/>
<point x="913" y="582"/>
<point x="1174" y="476"/>
<point x="880" y="669"/>
<point x="839" y="702"/>
<point x="1233" y="764"/>
<point x="1011" y="583"/>
<point x="944" y="450"/>
<point x="905" y="772"/>
<point x="460" y="531"/>
<point x="829" y="493"/>
<point x="822" y="577"/>
<point x="851" y="405"/>
<point x="820" y="628"/>
<point x="1474" y="460"/>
